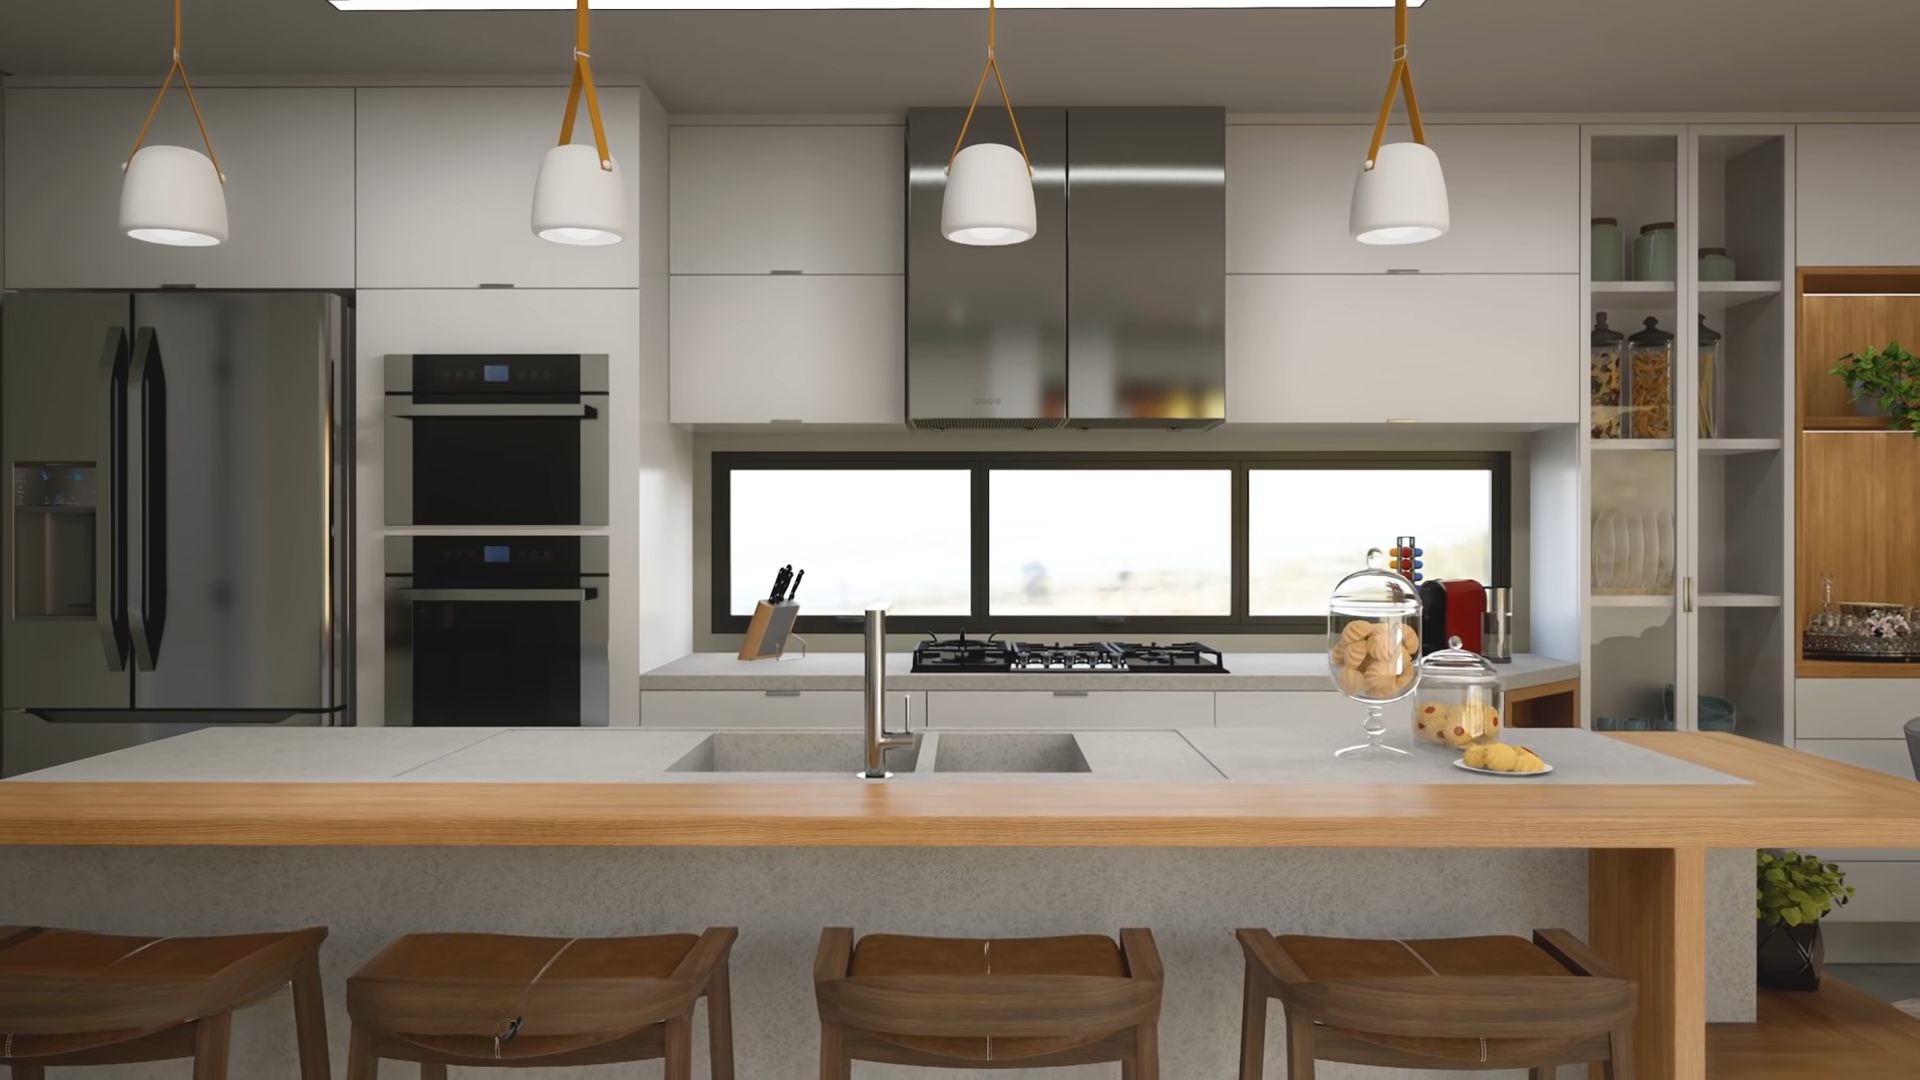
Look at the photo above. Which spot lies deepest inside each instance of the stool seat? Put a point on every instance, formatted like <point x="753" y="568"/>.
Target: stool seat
<point x="1438" y="1003"/>
<point x="504" y="1000"/>
<point x="988" y="1002"/>
<point x="70" y="997"/>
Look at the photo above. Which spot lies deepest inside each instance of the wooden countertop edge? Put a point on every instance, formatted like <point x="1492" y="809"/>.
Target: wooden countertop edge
<point x="1794" y="799"/>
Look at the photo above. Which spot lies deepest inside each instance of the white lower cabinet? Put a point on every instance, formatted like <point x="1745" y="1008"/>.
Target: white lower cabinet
<point x="1069" y="710"/>
<point x="1854" y="708"/>
<point x="1317" y="709"/>
<point x="1883" y="891"/>
<point x="773" y="709"/>
<point x="816" y="349"/>
<point x="1373" y="348"/>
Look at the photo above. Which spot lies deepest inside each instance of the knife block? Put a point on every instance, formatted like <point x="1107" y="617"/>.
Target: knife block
<point x="767" y="633"/>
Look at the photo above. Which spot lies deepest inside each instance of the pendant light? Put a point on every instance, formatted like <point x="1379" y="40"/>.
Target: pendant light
<point x="170" y="194"/>
<point x="577" y="198"/>
<point x="1400" y="196"/>
<point x="989" y="196"/>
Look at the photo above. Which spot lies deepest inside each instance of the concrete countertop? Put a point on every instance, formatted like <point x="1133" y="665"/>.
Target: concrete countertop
<point x="843" y="671"/>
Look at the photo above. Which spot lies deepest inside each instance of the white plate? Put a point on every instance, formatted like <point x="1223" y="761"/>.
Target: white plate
<point x="1461" y="763"/>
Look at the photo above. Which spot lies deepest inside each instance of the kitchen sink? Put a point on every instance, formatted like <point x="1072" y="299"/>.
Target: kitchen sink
<point x="1008" y="752"/>
<point x="788" y="752"/>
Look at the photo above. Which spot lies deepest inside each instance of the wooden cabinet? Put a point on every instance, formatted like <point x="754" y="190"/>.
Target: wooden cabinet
<point x="816" y="199"/>
<point x="287" y="153"/>
<point x="1437" y="348"/>
<point x="1855" y="193"/>
<point x="445" y="179"/>
<point x="795" y="709"/>
<point x="1513" y="192"/>
<point x="788" y="347"/>
<point x="1064" y="710"/>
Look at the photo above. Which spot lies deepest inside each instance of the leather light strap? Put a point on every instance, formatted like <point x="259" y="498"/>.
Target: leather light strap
<point x="993" y="69"/>
<point x="191" y="100"/>
<point x="583" y="80"/>
<point x="1399" y="79"/>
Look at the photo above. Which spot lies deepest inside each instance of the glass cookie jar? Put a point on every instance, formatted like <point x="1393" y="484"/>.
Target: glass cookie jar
<point x="1373" y="646"/>
<point x="1461" y="703"/>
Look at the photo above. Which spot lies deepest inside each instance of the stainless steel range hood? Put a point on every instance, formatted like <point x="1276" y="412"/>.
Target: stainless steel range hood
<point x="1113" y="314"/>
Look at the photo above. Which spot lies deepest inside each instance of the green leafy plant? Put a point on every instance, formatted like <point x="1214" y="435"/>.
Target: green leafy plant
<point x="1889" y="377"/>
<point x="1797" y="889"/>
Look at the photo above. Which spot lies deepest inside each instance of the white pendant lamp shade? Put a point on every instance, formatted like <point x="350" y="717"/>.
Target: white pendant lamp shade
<point x="989" y="197"/>
<point x="172" y="195"/>
<point x="575" y="201"/>
<point x="1402" y="199"/>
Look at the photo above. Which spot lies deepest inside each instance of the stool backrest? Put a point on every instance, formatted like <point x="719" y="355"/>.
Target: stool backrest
<point x="1913" y="744"/>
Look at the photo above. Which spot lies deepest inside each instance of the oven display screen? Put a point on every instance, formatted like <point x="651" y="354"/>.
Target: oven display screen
<point x="497" y="553"/>
<point x="493" y="372"/>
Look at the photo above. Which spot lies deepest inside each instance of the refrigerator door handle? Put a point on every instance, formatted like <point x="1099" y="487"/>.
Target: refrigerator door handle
<point x="147" y="524"/>
<point x="110" y="535"/>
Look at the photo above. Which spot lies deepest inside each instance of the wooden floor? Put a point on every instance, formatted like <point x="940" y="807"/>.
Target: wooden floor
<point x="1837" y="1031"/>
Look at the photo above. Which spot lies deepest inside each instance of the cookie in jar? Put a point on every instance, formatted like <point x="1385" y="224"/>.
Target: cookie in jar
<point x="1461" y="702"/>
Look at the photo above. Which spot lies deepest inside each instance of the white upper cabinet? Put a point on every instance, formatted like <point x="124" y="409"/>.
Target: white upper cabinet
<point x="446" y="188"/>
<point x="1436" y="348"/>
<point x="287" y="153"/>
<point x="813" y="199"/>
<point x="1856" y="194"/>
<point x="767" y="348"/>
<point x="1513" y="190"/>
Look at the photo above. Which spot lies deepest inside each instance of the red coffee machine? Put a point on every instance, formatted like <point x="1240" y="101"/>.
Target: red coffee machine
<point x="1452" y="609"/>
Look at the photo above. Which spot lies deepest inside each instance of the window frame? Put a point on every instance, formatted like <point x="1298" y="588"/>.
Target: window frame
<point x="1498" y="463"/>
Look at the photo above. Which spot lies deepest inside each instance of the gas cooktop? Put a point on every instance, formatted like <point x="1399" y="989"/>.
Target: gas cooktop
<point x="965" y="654"/>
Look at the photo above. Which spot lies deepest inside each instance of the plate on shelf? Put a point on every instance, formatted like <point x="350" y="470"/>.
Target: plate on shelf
<point x="1461" y="763"/>
<point x="1664" y="523"/>
<point x="1605" y="551"/>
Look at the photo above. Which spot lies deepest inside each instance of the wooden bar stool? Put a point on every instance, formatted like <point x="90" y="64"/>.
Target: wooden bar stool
<point x="73" y="998"/>
<point x="501" y="1001"/>
<point x="1001" y="1003"/>
<point x="1450" y="1003"/>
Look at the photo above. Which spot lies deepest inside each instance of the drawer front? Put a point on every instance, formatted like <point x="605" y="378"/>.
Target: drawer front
<point x="1069" y="710"/>
<point x="1884" y="892"/>
<point x="1279" y="710"/>
<point x="1854" y="708"/>
<point x="725" y="709"/>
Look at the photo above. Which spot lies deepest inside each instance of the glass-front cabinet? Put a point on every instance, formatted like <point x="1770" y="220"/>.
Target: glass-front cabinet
<point x="1688" y="333"/>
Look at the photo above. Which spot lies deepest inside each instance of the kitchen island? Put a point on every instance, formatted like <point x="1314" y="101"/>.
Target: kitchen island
<point x="379" y="832"/>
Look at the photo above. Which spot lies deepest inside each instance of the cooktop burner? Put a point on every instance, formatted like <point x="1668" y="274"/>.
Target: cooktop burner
<point x="986" y="654"/>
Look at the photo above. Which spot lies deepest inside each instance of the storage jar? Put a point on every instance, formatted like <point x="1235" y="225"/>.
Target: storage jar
<point x="1715" y="265"/>
<point x="1655" y="252"/>
<point x="1460" y="703"/>
<point x="1650" y="382"/>
<point x="1373" y="644"/>
<point x="1710" y="366"/>
<point x="1605" y="377"/>
<point x="1608" y="250"/>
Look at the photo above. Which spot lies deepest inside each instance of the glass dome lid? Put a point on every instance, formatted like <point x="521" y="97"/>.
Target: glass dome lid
<point x="1454" y="664"/>
<point x="1375" y="591"/>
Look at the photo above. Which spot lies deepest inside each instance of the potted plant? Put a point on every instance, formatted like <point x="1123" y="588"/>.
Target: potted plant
<point x="1885" y="382"/>
<point x="1794" y="893"/>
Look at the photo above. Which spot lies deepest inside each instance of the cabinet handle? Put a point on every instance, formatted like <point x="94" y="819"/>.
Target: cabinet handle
<point x="1070" y="693"/>
<point x="783" y="693"/>
<point x="1686" y="594"/>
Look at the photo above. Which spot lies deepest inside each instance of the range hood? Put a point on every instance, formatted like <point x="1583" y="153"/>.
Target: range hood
<point x="1113" y="315"/>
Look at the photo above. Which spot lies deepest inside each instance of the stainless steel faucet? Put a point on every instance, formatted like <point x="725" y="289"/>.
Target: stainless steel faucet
<point x="879" y="739"/>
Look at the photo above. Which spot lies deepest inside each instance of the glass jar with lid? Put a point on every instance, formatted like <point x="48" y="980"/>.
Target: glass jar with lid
<point x="1373" y="646"/>
<point x="1709" y="345"/>
<point x="1606" y="378"/>
<point x="1650" y="382"/>
<point x="1461" y="703"/>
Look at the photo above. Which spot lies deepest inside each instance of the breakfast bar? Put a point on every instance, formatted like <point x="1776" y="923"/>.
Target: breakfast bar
<point x="378" y="832"/>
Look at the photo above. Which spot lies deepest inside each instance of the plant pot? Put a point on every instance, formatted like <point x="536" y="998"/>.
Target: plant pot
<point x="1791" y="957"/>
<point x="1866" y="405"/>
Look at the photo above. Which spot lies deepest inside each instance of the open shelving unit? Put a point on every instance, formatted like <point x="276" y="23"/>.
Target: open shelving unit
<point x="1690" y="506"/>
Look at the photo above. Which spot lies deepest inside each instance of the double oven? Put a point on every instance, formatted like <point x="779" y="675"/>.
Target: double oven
<point x="497" y="557"/>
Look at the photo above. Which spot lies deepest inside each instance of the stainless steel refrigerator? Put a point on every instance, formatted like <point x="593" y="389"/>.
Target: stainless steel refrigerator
<point x="177" y="547"/>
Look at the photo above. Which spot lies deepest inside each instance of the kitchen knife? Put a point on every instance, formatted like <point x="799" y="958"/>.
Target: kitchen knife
<point x="795" y="589"/>
<point x="780" y="584"/>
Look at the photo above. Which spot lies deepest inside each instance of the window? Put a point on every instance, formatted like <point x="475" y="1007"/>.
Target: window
<point x="1113" y="545"/>
<point x="1101" y="542"/>
<point x="1305" y="526"/>
<point x="860" y="534"/>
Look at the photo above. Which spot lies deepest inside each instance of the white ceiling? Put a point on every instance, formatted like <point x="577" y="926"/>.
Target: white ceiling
<point x="1592" y="56"/>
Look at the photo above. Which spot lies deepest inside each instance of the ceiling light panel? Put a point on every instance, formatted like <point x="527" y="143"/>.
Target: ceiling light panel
<point x="847" y="5"/>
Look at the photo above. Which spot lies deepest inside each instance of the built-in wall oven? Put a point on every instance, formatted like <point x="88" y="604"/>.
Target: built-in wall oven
<point x="496" y="439"/>
<point x="507" y="630"/>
